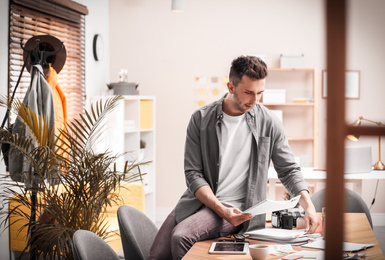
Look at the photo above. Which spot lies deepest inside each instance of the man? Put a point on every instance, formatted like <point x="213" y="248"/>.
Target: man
<point x="229" y="146"/>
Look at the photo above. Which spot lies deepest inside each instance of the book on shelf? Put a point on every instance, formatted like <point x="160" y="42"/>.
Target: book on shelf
<point x="300" y="100"/>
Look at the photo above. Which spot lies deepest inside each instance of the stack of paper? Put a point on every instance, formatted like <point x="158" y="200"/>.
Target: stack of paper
<point x="284" y="236"/>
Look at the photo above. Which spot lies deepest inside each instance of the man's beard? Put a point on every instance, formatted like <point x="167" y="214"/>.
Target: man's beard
<point x="238" y="104"/>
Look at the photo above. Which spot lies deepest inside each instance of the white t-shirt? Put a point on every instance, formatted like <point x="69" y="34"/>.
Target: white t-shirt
<point x="235" y="160"/>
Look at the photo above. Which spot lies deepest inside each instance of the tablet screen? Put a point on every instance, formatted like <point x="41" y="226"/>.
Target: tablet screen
<point x="229" y="248"/>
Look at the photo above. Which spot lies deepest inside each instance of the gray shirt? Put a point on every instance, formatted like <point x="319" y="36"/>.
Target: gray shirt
<point x="202" y="156"/>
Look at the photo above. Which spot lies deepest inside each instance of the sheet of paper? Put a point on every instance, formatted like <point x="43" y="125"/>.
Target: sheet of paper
<point x="271" y="205"/>
<point x="316" y="255"/>
<point x="286" y="248"/>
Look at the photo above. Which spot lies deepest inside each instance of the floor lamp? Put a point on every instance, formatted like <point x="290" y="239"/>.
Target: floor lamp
<point x="378" y="165"/>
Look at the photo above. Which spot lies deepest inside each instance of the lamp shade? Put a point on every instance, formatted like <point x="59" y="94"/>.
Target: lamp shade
<point x="178" y="5"/>
<point x="355" y="137"/>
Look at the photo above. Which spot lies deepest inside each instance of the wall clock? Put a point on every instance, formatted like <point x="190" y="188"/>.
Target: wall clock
<point x="98" y="47"/>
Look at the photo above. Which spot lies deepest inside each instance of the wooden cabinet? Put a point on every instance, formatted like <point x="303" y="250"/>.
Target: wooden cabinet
<point x="299" y="111"/>
<point x="130" y="126"/>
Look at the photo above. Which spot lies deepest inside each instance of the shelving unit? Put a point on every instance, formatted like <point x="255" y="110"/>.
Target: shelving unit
<point x="130" y="123"/>
<point x="300" y="120"/>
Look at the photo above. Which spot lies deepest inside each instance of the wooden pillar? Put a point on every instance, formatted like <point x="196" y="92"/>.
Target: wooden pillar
<point x="336" y="128"/>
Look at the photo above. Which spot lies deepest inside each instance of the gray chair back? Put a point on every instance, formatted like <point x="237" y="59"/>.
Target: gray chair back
<point x="137" y="232"/>
<point x="354" y="203"/>
<point x="89" y="246"/>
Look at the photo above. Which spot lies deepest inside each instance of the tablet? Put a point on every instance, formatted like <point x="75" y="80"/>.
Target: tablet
<point x="229" y="248"/>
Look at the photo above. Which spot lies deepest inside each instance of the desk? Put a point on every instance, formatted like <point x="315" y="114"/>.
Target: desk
<point x="357" y="230"/>
<point x="311" y="175"/>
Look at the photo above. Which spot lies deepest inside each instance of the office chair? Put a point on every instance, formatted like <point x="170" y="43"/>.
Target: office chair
<point x="137" y="232"/>
<point x="89" y="246"/>
<point x="354" y="203"/>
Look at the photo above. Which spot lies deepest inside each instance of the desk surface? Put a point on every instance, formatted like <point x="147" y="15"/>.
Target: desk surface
<point x="357" y="230"/>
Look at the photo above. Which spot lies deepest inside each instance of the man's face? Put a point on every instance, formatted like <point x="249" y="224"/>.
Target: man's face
<point x="247" y="94"/>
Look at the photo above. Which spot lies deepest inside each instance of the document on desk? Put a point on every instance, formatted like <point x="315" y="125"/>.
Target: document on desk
<point x="272" y="205"/>
<point x="316" y="255"/>
<point x="348" y="247"/>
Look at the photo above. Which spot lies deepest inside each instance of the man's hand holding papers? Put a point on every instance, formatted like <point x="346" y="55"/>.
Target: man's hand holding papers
<point x="271" y="205"/>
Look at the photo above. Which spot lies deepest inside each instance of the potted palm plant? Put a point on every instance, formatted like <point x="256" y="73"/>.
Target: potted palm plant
<point x="73" y="184"/>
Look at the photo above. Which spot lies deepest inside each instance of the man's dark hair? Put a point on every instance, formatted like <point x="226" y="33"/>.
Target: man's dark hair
<point x="250" y="66"/>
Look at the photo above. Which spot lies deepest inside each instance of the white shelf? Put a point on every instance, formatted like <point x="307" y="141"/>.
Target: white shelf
<point x="300" y="120"/>
<point x="129" y="123"/>
<point x="146" y="130"/>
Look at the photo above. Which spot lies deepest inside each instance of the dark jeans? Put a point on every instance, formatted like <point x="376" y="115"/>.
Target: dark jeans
<point x="174" y="240"/>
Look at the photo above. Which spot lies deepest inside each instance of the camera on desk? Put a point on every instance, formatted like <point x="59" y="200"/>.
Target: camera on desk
<point x="286" y="219"/>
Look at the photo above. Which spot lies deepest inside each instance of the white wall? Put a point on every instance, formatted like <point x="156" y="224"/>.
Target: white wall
<point x="97" y="72"/>
<point x="165" y="51"/>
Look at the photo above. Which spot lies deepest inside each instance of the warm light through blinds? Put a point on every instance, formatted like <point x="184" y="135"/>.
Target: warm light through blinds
<point x="45" y="18"/>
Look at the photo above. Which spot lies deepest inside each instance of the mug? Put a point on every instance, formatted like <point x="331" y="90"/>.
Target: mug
<point x="258" y="252"/>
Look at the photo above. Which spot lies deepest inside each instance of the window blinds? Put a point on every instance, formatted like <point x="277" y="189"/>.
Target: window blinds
<point x="37" y="17"/>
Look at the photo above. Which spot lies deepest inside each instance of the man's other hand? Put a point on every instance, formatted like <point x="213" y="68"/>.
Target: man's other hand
<point x="311" y="220"/>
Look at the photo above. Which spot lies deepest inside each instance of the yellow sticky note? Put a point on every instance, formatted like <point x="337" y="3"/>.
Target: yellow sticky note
<point x="201" y="91"/>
